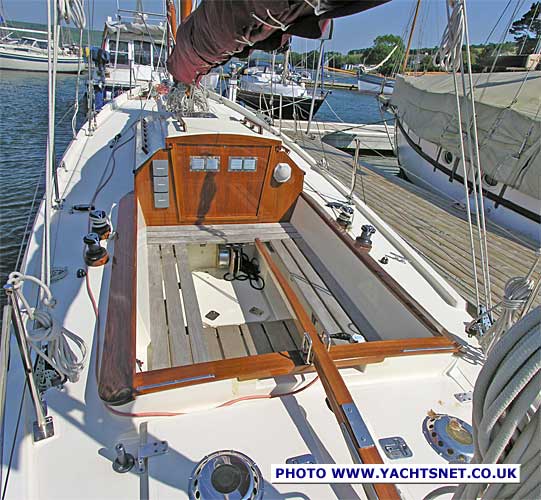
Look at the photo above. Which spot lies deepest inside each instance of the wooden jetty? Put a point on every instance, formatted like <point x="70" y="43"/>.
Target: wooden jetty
<point x="335" y="84"/>
<point x="342" y="135"/>
<point x="434" y="225"/>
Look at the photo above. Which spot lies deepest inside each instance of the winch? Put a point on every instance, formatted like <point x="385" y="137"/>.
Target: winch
<point x="95" y="254"/>
<point x="100" y="223"/>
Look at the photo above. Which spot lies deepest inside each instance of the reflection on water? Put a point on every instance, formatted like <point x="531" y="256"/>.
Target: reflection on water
<point x="23" y="138"/>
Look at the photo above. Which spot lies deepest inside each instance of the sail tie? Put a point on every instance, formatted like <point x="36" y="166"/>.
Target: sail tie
<point x="279" y="25"/>
<point x="244" y="41"/>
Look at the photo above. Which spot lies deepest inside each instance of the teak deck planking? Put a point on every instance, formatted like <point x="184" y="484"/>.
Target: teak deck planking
<point x="430" y="223"/>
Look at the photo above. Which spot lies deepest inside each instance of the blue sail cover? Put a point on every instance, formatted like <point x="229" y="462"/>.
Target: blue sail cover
<point x="220" y="29"/>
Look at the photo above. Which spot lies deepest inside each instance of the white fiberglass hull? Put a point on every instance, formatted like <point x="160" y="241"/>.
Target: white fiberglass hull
<point x="15" y="60"/>
<point x="426" y="164"/>
<point x="371" y="84"/>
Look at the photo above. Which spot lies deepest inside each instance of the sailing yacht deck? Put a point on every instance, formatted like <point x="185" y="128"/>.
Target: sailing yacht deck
<point x="294" y="229"/>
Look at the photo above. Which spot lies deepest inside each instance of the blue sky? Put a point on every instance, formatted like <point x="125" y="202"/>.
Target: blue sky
<point x="352" y="32"/>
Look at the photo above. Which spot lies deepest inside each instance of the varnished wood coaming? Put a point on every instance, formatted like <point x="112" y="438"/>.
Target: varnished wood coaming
<point x="119" y="382"/>
<point x="285" y="363"/>
<point x="379" y="273"/>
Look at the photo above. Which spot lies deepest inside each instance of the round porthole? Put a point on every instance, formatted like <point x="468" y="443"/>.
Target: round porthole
<point x="448" y="157"/>
<point x="490" y="181"/>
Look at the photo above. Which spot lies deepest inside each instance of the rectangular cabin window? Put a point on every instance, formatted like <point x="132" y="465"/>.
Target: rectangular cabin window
<point x="142" y="53"/>
<point x="204" y="163"/>
<point x="242" y="163"/>
<point x="159" y="55"/>
<point x="122" y="52"/>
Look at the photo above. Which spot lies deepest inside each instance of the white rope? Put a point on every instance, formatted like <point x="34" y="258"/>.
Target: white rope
<point x="506" y="418"/>
<point x="244" y="41"/>
<point x="60" y="354"/>
<point x="72" y="10"/>
<point x="449" y="54"/>
<point x="368" y="69"/>
<point x="516" y="292"/>
<point x="76" y="109"/>
<point x="449" y="57"/>
<point x="473" y="140"/>
<point x="181" y="104"/>
<point x="279" y="25"/>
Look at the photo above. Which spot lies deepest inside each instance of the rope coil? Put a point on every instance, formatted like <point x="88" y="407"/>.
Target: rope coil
<point x="506" y="402"/>
<point x="72" y="10"/>
<point x="59" y="354"/>
<point x="449" y="54"/>
<point x="517" y="290"/>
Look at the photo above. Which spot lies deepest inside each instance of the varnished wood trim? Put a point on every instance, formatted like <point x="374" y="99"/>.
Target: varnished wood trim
<point x="393" y="348"/>
<point x="336" y="390"/>
<point x="202" y="140"/>
<point x="115" y="384"/>
<point x="386" y="279"/>
<point x="287" y="363"/>
<point x="384" y="491"/>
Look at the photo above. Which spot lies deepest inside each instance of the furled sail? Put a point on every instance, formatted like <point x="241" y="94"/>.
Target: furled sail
<point x="220" y="29"/>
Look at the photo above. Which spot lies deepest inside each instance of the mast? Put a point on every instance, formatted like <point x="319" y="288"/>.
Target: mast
<point x="185" y="9"/>
<point x="172" y="24"/>
<point x="406" y="55"/>
<point x="285" y="72"/>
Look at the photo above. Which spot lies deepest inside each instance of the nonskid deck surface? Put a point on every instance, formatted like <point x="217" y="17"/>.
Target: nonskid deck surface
<point x="196" y="315"/>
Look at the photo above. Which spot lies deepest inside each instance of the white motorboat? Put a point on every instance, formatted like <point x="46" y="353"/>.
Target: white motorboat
<point x="30" y="54"/>
<point x="136" y="52"/>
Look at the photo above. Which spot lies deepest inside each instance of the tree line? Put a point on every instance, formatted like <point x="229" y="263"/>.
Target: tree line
<point x="526" y="32"/>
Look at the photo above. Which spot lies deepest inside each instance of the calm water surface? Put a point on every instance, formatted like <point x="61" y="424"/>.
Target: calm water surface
<point x="23" y="135"/>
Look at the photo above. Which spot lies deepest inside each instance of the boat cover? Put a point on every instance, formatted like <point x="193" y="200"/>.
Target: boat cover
<point x="220" y="29"/>
<point x="136" y="29"/>
<point x="508" y="107"/>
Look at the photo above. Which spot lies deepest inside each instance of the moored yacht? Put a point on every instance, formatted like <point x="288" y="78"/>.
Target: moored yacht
<point x="30" y="54"/>
<point x="277" y="95"/>
<point x="509" y="128"/>
<point x="374" y="84"/>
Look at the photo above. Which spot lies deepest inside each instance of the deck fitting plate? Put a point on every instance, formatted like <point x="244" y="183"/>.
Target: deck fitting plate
<point x="302" y="459"/>
<point x="395" y="447"/>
